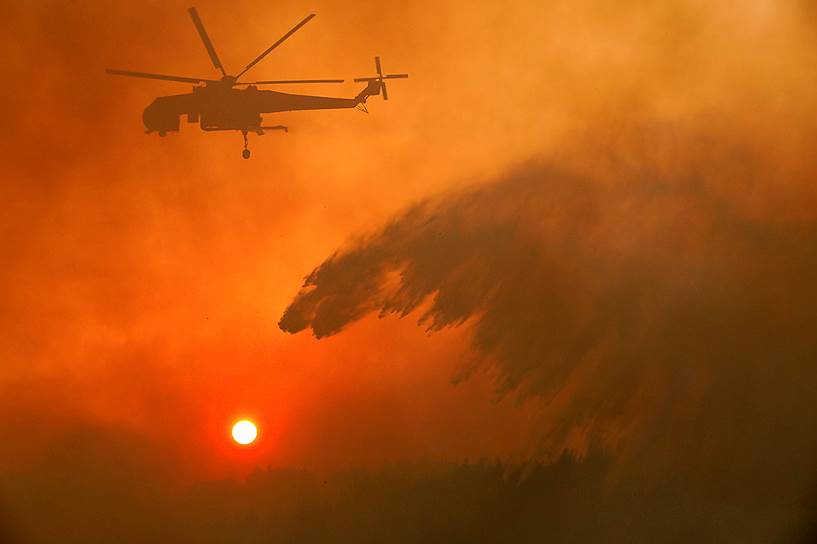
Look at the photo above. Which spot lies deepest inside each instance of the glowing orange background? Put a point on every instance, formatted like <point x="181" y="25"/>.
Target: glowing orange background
<point x="143" y="277"/>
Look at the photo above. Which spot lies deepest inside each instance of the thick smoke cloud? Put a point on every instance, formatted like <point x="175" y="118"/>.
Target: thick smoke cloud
<point x="646" y="304"/>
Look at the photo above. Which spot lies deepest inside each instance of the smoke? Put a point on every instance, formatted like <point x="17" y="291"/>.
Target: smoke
<point x="404" y="502"/>
<point x="650" y="308"/>
<point x="646" y="288"/>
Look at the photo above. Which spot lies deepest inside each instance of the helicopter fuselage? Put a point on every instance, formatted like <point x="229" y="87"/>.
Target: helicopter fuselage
<point x="217" y="107"/>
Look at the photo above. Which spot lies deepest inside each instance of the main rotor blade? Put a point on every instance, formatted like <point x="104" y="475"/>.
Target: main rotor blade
<point x="378" y="78"/>
<point x="206" y="39"/>
<point x="377" y="66"/>
<point x="276" y="44"/>
<point x="284" y="81"/>
<point x="163" y="77"/>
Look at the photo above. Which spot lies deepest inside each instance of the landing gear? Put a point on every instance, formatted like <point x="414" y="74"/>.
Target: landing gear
<point x="246" y="152"/>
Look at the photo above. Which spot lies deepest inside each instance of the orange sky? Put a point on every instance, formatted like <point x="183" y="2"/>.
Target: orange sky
<point x="144" y="277"/>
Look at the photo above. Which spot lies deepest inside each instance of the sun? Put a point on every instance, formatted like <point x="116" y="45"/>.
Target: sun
<point x="244" y="432"/>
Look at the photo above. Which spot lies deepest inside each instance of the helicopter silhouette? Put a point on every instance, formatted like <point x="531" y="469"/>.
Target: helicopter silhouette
<point x="230" y="104"/>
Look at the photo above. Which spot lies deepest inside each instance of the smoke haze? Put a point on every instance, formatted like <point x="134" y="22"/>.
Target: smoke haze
<point x="604" y="211"/>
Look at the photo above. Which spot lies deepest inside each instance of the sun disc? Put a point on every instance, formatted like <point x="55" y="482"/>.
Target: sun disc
<point x="244" y="432"/>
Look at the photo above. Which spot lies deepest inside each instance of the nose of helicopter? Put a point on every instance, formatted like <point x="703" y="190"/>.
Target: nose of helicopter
<point x="161" y="117"/>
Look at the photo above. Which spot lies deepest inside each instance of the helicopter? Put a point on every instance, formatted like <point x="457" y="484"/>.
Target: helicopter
<point x="228" y="104"/>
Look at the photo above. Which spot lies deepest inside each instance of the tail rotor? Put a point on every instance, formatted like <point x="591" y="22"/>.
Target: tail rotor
<point x="380" y="78"/>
